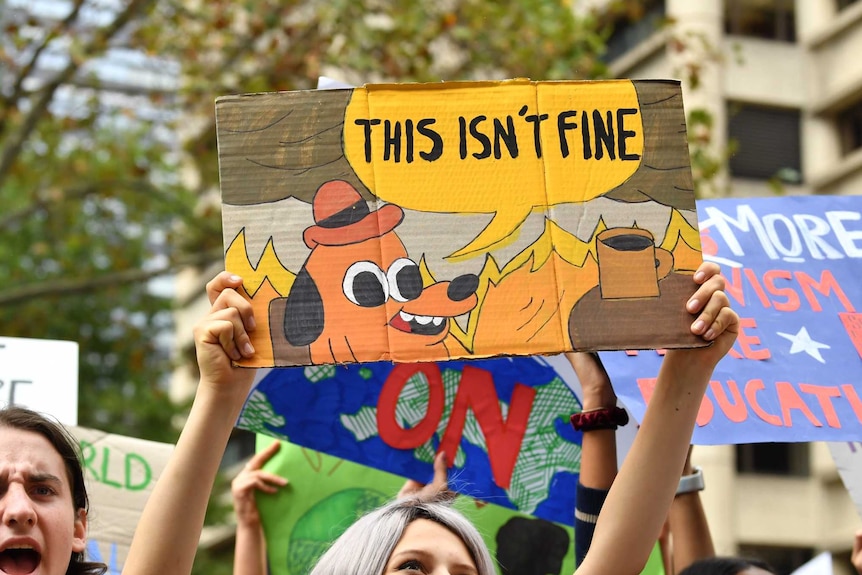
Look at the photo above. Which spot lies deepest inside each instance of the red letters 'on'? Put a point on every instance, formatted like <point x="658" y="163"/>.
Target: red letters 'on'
<point x="391" y="432"/>
<point x="476" y="391"/>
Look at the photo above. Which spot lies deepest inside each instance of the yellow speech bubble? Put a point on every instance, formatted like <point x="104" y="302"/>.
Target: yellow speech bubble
<point x="506" y="148"/>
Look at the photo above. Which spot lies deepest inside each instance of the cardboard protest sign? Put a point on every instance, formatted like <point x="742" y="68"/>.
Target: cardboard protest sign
<point x="454" y="220"/>
<point x="326" y="494"/>
<point x="40" y="374"/>
<point x="502" y="422"/>
<point x="793" y="272"/>
<point x="120" y="473"/>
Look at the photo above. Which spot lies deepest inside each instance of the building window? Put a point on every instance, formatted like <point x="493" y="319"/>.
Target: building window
<point x="631" y="24"/>
<point x="773" y="459"/>
<point x="766" y="143"/>
<point x="850" y="128"/>
<point x="769" y="19"/>
<point x="782" y="559"/>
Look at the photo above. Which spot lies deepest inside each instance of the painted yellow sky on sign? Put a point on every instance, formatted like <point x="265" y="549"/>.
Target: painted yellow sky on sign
<point x="511" y="147"/>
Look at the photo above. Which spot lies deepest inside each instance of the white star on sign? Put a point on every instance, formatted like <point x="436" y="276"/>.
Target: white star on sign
<point x="803" y="342"/>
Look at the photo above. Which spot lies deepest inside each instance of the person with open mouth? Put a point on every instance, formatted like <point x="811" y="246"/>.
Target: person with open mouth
<point x="43" y="499"/>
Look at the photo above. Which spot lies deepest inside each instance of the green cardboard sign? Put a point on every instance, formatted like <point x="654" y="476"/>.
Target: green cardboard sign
<point x="326" y="494"/>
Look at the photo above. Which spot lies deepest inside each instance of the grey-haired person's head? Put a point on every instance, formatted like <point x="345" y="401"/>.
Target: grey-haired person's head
<point x="365" y="547"/>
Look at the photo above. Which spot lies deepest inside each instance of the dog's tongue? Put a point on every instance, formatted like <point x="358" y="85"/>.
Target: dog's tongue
<point x="18" y="561"/>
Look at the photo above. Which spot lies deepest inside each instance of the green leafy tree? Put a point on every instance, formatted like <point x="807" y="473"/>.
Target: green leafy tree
<point x="90" y="199"/>
<point x="91" y="154"/>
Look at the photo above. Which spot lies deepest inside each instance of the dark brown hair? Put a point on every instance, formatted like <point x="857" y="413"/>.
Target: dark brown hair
<point x="725" y="566"/>
<point x="67" y="447"/>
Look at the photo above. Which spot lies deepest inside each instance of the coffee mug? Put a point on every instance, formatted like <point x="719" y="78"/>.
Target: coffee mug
<point x="630" y="264"/>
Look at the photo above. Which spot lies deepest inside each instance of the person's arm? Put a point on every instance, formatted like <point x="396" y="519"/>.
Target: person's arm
<point x="250" y="547"/>
<point x="689" y="528"/>
<point x="168" y="532"/>
<point x="598" y="450"/>
<point x="665" y="547"/>
<point x="640" y="498"/>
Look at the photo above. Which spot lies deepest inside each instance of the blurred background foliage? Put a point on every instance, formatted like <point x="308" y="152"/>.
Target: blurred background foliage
<point x="108" y="165"/>
<point x="108" y="151"/>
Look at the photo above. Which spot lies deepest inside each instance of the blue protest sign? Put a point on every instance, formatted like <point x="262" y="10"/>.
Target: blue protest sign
<point x="793" y="274"/>
<point x="503" y="424"/>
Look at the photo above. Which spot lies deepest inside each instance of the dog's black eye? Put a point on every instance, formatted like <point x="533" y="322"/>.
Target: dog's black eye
<point x="405" y="280"/>
<point x="365" y="284"/>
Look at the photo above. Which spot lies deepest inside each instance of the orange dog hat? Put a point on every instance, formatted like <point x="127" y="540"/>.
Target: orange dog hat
<point x="342" y="217"/>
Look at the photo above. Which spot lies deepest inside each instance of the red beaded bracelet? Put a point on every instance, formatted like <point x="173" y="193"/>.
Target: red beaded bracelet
<point x="603" y="418"/>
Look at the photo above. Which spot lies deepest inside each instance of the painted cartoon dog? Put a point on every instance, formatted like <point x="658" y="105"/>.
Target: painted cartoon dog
<point x="358" y="295"/>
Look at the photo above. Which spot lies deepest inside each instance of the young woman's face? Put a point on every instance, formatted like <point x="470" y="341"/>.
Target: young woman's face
<point x="39" y="526"/>
<point x="428" y="548"/>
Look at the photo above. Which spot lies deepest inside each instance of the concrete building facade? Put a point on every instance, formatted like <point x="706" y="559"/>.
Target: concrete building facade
<point x="782" y="80"/>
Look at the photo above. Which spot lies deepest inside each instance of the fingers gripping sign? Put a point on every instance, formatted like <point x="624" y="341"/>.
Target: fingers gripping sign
<point x="716" y="321"/>
<point x="222" y="337"/>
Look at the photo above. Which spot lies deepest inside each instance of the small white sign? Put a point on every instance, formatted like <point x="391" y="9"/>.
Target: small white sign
<point x="848" y="460"/>
<point x="820" y="565"/>
<point x="41" y="375"/>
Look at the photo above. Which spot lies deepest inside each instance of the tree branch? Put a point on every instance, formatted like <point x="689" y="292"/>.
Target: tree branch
<point x="28" y="68"/>
<point x="38" y="204"/>
<point x="37" y="111"/>
<point x="70" y="286"/>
